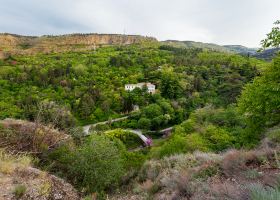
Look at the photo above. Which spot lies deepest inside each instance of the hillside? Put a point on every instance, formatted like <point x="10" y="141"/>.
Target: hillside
<point x="267" y="54"/>
<point x="241" y="49"/>
<point x="18" y="44"/>
<point x="193" y="44"/>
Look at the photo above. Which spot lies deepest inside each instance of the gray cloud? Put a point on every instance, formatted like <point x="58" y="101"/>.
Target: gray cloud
<point x="219" y="21"/>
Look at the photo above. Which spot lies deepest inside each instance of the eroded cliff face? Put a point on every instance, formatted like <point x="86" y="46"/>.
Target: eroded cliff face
<point x="17" y="44"/>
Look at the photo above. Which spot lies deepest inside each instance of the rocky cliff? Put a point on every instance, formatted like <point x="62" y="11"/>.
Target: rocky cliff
<point x="17" y="44"/>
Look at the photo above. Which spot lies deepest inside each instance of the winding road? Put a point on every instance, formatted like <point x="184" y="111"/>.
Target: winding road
<point x="87" y="127"/>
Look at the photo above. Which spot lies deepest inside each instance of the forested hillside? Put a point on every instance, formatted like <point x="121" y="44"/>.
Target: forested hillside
<point x="90" y="84"/>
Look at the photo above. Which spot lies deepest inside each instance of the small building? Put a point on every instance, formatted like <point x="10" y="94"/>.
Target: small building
<point x="151" y="87"/>
<point x="135" y="108"/>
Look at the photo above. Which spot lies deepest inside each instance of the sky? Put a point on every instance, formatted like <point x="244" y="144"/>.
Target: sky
<point x="243" y="22"/>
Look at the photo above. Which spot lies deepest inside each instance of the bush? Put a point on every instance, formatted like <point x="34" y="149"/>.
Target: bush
<point x="144" y="123"/>
<point x="208" y="170"/>
<point x="274" y="134"/>
<point x="59" y="160"/>
<point x="219" y="139"/>
<point x="195" y="142"/>
<point x="97" y="164"/>
<point x="180" y="144"/>
<point x="19" y="191"/>
<point x="129" y="139"/>
<point x="233" y="163"/>
<point x="258" y="192"/>
<point x="35" y="137"/>
<point x="152" y="110"/>
<point x="9" y="110"/>
<point x="174" y="145"/>
<point x="252" y="174"/>
<point x="51" y="113"/>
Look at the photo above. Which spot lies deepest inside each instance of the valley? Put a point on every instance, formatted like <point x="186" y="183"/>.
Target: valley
<point x="109" y="116"/>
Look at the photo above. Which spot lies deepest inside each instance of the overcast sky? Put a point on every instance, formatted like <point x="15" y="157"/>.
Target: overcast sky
<point x="218" y="21"/>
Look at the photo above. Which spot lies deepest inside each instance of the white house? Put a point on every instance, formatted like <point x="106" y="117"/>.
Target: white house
<point x="151" y="87"/>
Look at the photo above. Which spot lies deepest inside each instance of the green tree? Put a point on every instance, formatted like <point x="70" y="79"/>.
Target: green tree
<point x="169" y="85"/>
<point x="144" y="123"/>
<point x="152" y="110"/>
<point x="260" y="100"/>
<point x="98" y="164"/>
<point x="273" y="38"/>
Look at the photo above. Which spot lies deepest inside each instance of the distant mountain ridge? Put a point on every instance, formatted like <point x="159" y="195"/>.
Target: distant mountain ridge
<point x="241" y="49"/>
<point x="18" y="44"/>
<point x="193" y="44"/>
<point x="267" y="54"/>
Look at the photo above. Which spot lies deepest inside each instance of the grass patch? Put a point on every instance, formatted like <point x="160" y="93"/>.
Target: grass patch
<point x="252" y="174"/>
<point x="19" y="191"/>
<point x="208" y="171"/>
<point x="8" y="163"/>
<point x="259" y="192"/>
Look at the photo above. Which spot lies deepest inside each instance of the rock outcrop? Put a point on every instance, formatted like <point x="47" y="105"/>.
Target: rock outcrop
<point x="17" y="44"/>
<point x="19" y="180"/>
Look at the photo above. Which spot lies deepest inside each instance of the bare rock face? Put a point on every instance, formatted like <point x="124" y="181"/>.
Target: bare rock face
<point x="38" y="185"/>
<point x="17" y="44"/>
<point x="20" y="180"/>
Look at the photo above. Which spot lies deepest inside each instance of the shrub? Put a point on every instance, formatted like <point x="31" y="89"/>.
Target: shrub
<point x="180" y="182"/>
<point x="258" y="192"/>
<point x="9" y="110"/>
<point x="233" y="162"/>
<point x="35" y="137"/>
<point x="219" y="139"/>
<point x="97" y="164"/>
<point x="77" y="134"/>
<point x="252" y="174"/>
<point x="133" y="160"/>
<point x="208" y="170"/>
<point x="180" y="144"/>
<point x="274" y="134"/>
<point x="150" y="170"/>
<point x="153" y="110"/>
<point x="19" y="191"/>
<point x="219" y="128"/>
<point x="195" y="142"/>
<point x="51" y="113"/>
<point x="175" y="145"/>
<point x="59" y="160"/>
<point x="144" y="123"/>
<point x="186" y="127"/>
<point x="129" y="139"/>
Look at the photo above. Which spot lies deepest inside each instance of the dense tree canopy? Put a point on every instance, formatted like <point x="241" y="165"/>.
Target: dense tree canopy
<point x="260" y="100"/>
<point x="89" y="85"/>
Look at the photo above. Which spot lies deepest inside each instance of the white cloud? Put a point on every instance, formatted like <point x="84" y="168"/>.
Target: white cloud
<point x="218" y="21"/>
